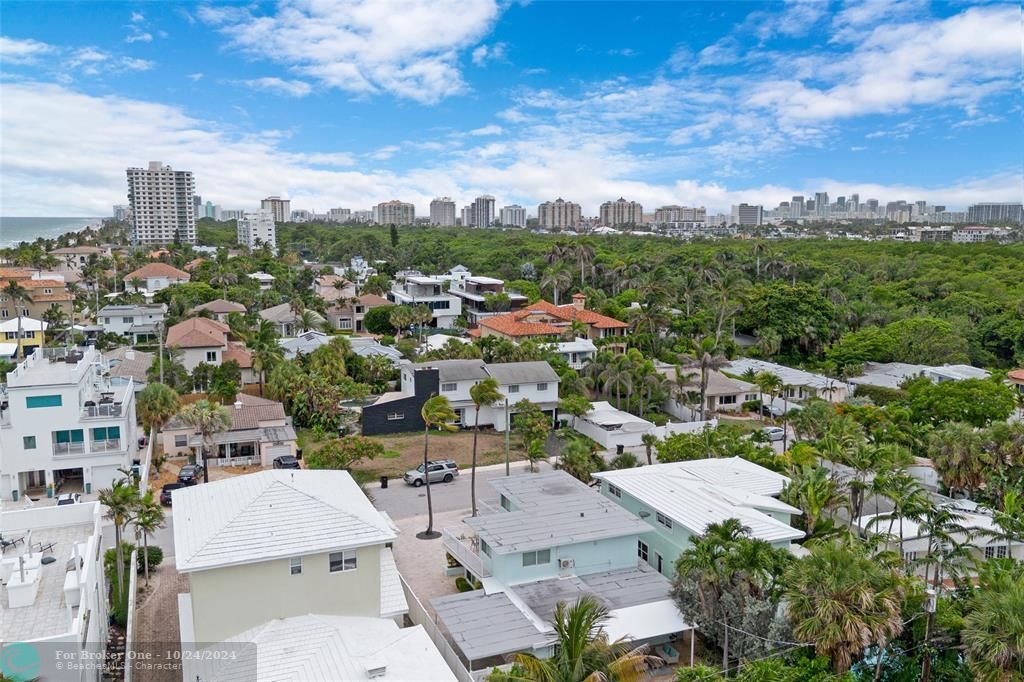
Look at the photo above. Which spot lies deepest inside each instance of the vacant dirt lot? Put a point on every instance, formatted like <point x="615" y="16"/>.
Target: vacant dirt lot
<point x="406" y="451"/>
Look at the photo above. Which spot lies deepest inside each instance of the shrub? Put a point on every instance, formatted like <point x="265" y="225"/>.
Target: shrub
<point x="751" y="406"/>
<point x="463" y="585"/>
<point x="155" y="556"/>
<point x="880" y="395"/>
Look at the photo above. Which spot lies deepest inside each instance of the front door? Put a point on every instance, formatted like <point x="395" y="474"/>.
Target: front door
<point x="658" y="556"/>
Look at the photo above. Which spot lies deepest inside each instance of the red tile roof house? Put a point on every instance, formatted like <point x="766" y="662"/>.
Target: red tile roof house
<point x="545" y="321"/>
<point x="154" y="277"/>
<point x="204" y="340"/>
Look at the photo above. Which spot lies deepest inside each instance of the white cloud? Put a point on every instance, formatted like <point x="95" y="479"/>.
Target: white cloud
<point x="490" y="53"/>
<point x="279" y="86"/>
<point x="15" y="51"/>
<point x="139" y="37"/>
<point x="195" y="76"/>
<point x="681" y="59"/>
<point x="385" y="153"/>
<point x="857" y="148"/>
<point x="45" y="125"/>
<point x="622" y="52"/>
<point x="138" y="18"/>
<point x="492" y="129"/>
<point x="407" y="48"/>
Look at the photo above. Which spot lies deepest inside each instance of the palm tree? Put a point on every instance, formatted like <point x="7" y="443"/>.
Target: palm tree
<point x="436" y="412"/>
<point x="557" y="278"/>
<point x="584" y="253"/>
<point x="582" y="650"/>
<point x="208" y="419"/>
<point x="815" y="493"/>
<point x="841" y="599"/>
<point x="157" y="403"/>
<point x="120" y="501"/>
<point x="707" y="358"/>
<point x="907" y="496"/>
<point x="266" y="352"/>
<point x="149" y="516"/>
<point x="401" y="318"/>
<point x="959" y="457"/>
<point x="484" y="393"/>
<point x="19" y="298"/>
<point x="768" y="383"/>
<point x="618" y="375"/>
<point x="993" y="632"/>
<point x="649" y="440"/>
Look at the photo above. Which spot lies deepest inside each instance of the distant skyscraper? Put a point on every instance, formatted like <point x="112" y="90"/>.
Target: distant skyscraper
<point x="394" y="212"/>
<point x="362" y="216"/>
<point x="513" y="216"/>
<point x="442" y="211"/>
<point x="197" y="206"/>
<point x="995" y="213"/>
<point x="621" y="212"/>
<point x="558" y="214"/>
<point x="821" y="204"/>
<point x="339" y="215"/>
<point x="680" y="214"/>
<point x="796" y="207"/>
<point x="122" y="213"/>
<point x="231" y="214"/>
<point x="841" y="204"/>
<point x="162" y="204"/>
<point x="256" y="229"/>
<point x="872" y="205"/>
<point x="481" y="212"/>
<point x="853" y="205"/>
<point x="280" y="208"/>
<point x="748" y="215"/>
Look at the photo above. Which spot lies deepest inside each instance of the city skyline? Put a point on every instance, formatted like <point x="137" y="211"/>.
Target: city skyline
<point x="752" y="103"/>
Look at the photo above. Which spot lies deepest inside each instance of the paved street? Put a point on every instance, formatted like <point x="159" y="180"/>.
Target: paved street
<point x="162" y="538"/>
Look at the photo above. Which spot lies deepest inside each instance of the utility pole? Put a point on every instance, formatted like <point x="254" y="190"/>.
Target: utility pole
<point x="160" y="342"/>
<point x="725" y="649"/>
<point x="508" y="429"/>
<point x="926" y="661"/>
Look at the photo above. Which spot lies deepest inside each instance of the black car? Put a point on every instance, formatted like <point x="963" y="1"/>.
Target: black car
<point x="190" y="474"/>
<point x="286" y="462"/>
<point x="165" y="492"/>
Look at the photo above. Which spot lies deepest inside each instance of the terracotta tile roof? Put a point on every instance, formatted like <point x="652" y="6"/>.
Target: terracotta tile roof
<point x="42" y="283"/>
<point x="373" y="300"/>
<point x="15" y="273"/>
<point x="239" y="353"/>
<point x="220" y="306"/>
<point x="157" y="270"/>
<point x="253" y="411"/>
<point x="198" y="332"/>
<point x="193" y="264"/>
<point x="569" y="313"/>
<point x="51" y="298"/>
<point x="1016" y="374"/>
<point x="510" y="326"/>
<point x="517" y="323"/>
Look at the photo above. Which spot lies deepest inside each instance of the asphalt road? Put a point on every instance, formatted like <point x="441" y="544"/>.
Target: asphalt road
<point x="162" y="538"/>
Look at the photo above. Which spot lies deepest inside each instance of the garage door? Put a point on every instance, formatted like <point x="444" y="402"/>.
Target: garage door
<point x="276" y="451"/>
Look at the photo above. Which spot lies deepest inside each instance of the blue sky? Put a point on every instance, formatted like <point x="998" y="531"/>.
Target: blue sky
<point x="349" y="104"/>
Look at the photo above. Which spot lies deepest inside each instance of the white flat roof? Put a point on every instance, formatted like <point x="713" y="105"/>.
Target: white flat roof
<point x="644" y="621"/>
<point x="789" y="375"/>
<point x="270" y="515"/>
<point x="28" y="324"/>
<point x="603" y="413"/>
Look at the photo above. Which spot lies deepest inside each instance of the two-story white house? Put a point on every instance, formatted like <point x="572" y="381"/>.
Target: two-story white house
<point x="679" y="499"/>
<point x="798" y="384"/>
<point x="551" y="540"/>
<point x="152" y="277"/>
<point x="414" y="289"/>
<point x="399" y="411"/>
<point x="219" y="309"/>
<point x="138" y="322"/>
<point x="63" y="424"/>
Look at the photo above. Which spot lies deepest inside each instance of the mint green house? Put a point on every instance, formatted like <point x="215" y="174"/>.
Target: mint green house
<point x="680" y="499"/>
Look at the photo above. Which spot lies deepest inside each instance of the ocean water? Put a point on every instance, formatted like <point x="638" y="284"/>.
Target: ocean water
<point x="14" y="230"/>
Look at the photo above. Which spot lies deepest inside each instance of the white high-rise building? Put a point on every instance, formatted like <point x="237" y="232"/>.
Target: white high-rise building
<point x="362" y="216"/>
<point x="621" y="212"/>
<point x="258" y="228"/>
<point x="513" y="216"/>
<point x="162" y="204"/>
<point x="339" y="215"/>
<point x="821" y="204"/>
<point x="280" y="208"/>
<point x="680" y="214"/>
<point x="442" y="211"/>
<point x="483" y="211"/>
<point x="394" y="212"/>
<point x="747" y="214"/>
<point x="558" y="214"/>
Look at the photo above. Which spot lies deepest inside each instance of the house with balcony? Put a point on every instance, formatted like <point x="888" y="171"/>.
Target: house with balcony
<point x="152" y="277"/>
<point x="260" y="432"/>
<point x="64" y="603"/>
<point x="348" y="314"/>
<point x="202" y="340"/>
<point x="64" y="425"/>
<point x="287" y="322"/>
<point x="399" y="411"/>
<point x="219" y="309"/>
<point x="42" y="289"/>
<point x="678" y="501"/>
<point x="74" y="258"/>
<point x="553" y="539"/>
<point x="414" y="289"/>
<point x="265" y="280"/>
<point x="138" y="322"/>
<point x="484" y="297"/>
<point x="548" y="323"/>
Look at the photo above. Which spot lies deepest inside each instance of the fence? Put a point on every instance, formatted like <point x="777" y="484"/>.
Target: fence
<point x="129" y="630"/>
<point x="419" y="616"/>
<point x="147" y="461"/>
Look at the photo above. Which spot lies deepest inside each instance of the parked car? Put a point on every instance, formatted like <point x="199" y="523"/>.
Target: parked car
<point x="774" y="432"/>
<point x="444" y="470"/>
<point x="68" y="498"/>
<point x="190" y="474"/>
<point x="165" y="492"/>
<point x="286" y="462"/>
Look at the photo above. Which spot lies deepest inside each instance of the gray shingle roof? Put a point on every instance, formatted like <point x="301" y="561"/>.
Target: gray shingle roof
<point x="522" y="372"/>
<point x="455" y="370"/>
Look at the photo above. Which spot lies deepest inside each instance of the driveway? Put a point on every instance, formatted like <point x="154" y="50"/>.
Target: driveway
<point x="422" y="562"/>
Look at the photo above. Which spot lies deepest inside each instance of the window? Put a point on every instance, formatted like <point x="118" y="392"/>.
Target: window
<point x="127" y="320"/>
<point x="180" y="440"/>
<point x="359" y="310"/>
<point x="396" y="416"/>
<point x="505" y="504"/>
<point x="484" y="547"/>
<point x="727" y="400"/>
<point x="106" y="320"/>
<point x="43" y="401"/>
<point x="664" y="520"/>
<point x="106" y="433"/>
<point x="295" y="565"/>
<point x="47" y="290"/>
<point x="909" y="556"/>
<point x="29" y="442"/>
<point x="449" y="388"/>
<point x="513" y="388"/>
<point x="641" y="549"/>
<point x="995" y="552"/>
<point x="542" y="387"/>
<point x="613" y="490"/>
<point x="342" y="561"/>
<point x="10" y="336"/>
<point x="541" y="556"/>
<point x="211" y="356"/>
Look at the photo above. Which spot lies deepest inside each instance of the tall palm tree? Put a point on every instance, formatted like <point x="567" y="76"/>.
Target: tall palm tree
<point x="959" y="457"/>
<point x="993" y="632"/>
<point x="706" y="359"/>
<point x="266" y="351"/>
<point x="907" y="496"/>
<point x="815" y="493"/>
<point x="149" y="516"/>
<point x="582" y="650"/>
<point x="557" y="278"/>
<point x="768" y="383"/>
<point x="157" y="403"/>
<point x="484" y="393"/>
<point x="120" y="501"/>
<point x="19" y="298"/>
<point x="618" y="375"/>
<point x="584" y="254"/>
<point x="437" y="412"/>
<point x="208" y="419"/>
<point x="649" y="440"/>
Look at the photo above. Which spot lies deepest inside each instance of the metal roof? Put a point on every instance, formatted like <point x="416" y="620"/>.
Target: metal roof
<point x="552" y="510"/>
<point x="614" y="589"/>
<point x="789" y="375"/>
<point x="484" y="625"/>
<point x="522" y="372"/>
<point x="455" y="370"/>
<point x="270" y="515"/>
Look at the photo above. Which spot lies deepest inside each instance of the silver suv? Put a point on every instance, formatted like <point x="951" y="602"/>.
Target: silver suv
<point x="444" y="470"/>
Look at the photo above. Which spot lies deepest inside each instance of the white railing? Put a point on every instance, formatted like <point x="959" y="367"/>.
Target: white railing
<point x="129" y="630"/>
<point x="102" y="411"/>
<point x="419" y="616"/>
<point x="68" y="448"/>
<point x="464" y="555"/>
<point x="106" y="445"/>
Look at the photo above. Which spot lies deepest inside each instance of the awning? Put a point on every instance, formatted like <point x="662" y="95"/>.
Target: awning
<point x="645" y="621"/>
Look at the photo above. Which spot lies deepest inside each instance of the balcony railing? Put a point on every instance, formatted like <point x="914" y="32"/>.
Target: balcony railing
<point x="106" y="445"/>
<point x="68" y="448"/>
<point x="464" y="554"/>
<point x="106" y="411"/>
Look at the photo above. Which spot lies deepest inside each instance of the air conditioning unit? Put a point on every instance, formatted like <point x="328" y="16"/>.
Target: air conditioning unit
<point x="566" y="563"/>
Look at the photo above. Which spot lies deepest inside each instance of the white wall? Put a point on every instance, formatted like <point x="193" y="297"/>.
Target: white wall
<point x="190" y="357"/>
